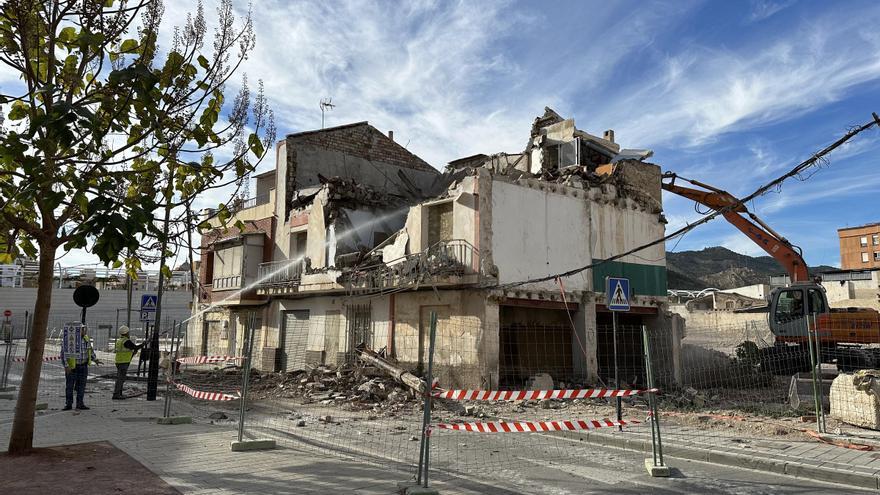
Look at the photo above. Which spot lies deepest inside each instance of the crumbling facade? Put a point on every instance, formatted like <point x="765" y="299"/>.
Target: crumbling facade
<point x="367" y="240"/>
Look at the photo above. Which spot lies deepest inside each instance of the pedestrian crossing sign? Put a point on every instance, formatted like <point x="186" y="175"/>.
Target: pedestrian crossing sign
<point x="617" y="293"/>
<point x="148" y="302"/>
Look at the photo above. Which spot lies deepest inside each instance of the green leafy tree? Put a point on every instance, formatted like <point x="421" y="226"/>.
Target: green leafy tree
<point x="107" y="128"/>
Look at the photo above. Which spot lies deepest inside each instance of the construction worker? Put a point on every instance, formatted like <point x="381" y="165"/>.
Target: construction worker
<point x="125" y="350"/>
<point x="76" y="368"/>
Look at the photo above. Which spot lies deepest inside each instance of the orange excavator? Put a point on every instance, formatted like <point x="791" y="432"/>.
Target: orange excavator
<point x="842" y="333"/>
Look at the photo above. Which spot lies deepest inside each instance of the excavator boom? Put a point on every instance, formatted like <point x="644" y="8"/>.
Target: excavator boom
<point x="755" y="229"/>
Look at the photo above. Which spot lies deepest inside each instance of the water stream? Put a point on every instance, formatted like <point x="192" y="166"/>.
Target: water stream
<point x="284" y="266"/>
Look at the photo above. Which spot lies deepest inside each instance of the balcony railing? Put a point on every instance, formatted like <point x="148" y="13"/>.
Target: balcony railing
<point x="249" y="203"/>
<point x="223" y="283"/>
<point x="280" y="274"/>
<point x="440" y="263"/>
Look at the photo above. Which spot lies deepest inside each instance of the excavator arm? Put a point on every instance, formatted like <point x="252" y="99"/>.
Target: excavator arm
<point x="753" y="227"/>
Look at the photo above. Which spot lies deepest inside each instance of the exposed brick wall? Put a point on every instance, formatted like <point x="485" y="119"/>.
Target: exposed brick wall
<point x="359" y="140"/>
<point x="364" y="141"/>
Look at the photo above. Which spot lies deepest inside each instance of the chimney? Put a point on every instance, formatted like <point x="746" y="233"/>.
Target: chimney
<point x="609" y="135"/>
<point x="391" y="135"/>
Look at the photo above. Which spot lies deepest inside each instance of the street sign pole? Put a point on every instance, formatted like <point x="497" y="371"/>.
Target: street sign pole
<point x="616" y="299"/>
<point x="616" y="369"/>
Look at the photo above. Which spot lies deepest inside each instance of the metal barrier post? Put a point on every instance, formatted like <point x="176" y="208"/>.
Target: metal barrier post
<point x="170" y="385"/>
<point x="253" y="444"/>
<point x="655" y="466"/>
<point x="424" y="448"/>
<point x="172" y="363"/>
<point x="816" y="403"/>
<point x="819" y="373"/>
<point x="245" y="374"/>
<point x="7" y="363"/>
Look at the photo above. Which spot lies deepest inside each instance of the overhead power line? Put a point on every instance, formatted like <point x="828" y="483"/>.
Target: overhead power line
<point x="815" y="159"/>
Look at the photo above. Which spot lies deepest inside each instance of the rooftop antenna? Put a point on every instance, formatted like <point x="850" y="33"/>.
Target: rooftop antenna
<point x="326" y="104"/>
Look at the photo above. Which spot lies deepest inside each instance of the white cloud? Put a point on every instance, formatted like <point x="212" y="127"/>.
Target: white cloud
<point x="741" y="244"/>
<point x="701" y="92"/>
<point x="764" y="9"/>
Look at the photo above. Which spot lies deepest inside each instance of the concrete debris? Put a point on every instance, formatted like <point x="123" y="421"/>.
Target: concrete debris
<point x="217" y="415"/>
<point x="855" y="399"/>
<point x="541" y="381"/>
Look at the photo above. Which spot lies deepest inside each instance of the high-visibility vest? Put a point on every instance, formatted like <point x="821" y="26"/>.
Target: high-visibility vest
<point x="123" y="354"/>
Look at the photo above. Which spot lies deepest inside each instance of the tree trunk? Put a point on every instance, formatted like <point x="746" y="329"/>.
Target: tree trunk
<point x="21" y="439"/>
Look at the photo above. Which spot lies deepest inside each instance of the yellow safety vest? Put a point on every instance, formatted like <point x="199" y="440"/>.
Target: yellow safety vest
<point x="123" y="354"/>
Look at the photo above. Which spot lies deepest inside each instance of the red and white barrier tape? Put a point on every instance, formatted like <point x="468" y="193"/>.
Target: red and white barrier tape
<point x="47" y="358"/>
<point x="208" y="359"/>
<point x="509" y="395"/>
<point x="198" y="394"/>
<point x="534" y="426"/>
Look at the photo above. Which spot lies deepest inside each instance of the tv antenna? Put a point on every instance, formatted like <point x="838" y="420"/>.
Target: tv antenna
<point x="326" y="104"/>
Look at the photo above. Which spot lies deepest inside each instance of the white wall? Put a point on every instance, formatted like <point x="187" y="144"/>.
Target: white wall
<point x="756" y="291"/>
<point x="537" y="233"/>
<point x="617" y="229"/>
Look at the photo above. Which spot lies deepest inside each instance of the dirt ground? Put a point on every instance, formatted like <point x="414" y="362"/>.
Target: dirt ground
<point x="82" y="468"/>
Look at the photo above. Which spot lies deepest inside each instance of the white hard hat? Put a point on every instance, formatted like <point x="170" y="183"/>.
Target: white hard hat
<point x="123" y="330"/>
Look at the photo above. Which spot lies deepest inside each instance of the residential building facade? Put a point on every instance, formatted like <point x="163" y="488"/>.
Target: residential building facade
<point x="859" y="247"/>
<point x="366" y="241"/>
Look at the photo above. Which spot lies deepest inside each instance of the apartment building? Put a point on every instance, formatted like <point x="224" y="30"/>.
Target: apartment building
<point x="859" y="247"/>
<point x="362" y="241"/>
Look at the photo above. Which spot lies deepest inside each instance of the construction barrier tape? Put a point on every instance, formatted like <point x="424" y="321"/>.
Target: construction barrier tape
<point x="509" y="395"/>
<point x="208" y="359"/>
<point x="198" y="394"/>
<point x="534" y="426"/>
<point x="47" y="358"/>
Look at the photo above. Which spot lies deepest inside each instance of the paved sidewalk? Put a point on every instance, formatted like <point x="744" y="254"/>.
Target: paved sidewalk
<point x="796" y="454"/>
<point x="197" y="459"/>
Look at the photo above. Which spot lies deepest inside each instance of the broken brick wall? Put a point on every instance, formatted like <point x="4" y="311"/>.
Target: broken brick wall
<point x="358" y="152"/>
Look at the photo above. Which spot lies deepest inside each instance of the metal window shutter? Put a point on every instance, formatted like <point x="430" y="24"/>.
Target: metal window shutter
<point x="296" y="336"/>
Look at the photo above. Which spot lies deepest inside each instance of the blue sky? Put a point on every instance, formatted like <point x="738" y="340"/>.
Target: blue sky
<point x="728" y="92"/>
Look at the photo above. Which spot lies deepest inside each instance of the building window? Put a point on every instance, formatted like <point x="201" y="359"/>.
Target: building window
<point x="863" y="241"/>
<point x="876" y="255"/>
<point x="227" y="268"/>
<point x="298" y="245"/>
<point x="439" y="223"/>
<point x="864" y="257"/>
<point x="876" y="239"/>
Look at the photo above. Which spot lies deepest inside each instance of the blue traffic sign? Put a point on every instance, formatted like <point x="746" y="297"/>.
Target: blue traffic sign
<point x="617" y="293"/>
<point x="148" y="302"/>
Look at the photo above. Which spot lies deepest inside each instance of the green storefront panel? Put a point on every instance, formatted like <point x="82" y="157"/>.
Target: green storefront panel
<point x="644" y="280"/>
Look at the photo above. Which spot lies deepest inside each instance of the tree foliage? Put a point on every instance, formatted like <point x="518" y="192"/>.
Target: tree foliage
<point x="107" y="126"/>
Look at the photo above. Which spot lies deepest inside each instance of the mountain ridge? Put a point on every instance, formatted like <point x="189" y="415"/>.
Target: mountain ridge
<point x="722" y="268"/>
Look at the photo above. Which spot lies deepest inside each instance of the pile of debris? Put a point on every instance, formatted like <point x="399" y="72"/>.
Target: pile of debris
<point x="353" y="386"/>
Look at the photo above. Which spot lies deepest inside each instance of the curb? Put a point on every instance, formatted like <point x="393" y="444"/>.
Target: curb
<point x="796" y="469"/>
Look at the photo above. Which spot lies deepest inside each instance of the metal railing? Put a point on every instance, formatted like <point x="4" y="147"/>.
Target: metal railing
<point x="255" y="201"/>
<point x="445" y="259"/>
<point x="231" y="282"/>
<point x="280" y="273"/>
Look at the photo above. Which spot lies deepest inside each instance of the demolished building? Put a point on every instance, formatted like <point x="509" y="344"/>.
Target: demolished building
<point x="363" y="240"/>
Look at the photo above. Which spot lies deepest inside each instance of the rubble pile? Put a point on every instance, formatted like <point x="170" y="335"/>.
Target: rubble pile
<point x="357" y="387"/>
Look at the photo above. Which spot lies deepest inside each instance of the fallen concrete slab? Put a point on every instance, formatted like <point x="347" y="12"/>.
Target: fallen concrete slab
<point x="853" y="404"/>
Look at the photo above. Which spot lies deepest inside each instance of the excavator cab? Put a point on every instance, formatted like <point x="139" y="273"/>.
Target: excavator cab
<point x="789" y="307"/>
